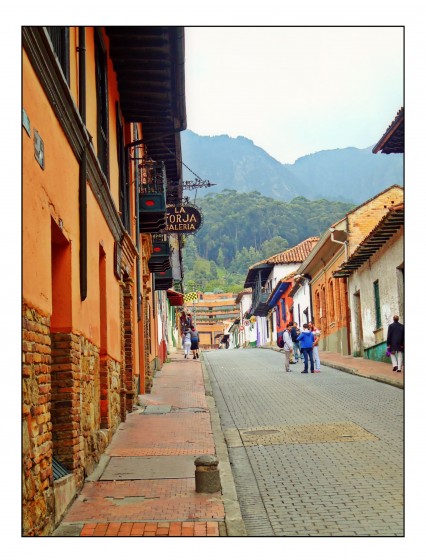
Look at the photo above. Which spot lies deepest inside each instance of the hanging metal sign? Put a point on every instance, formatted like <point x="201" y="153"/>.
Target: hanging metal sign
<point x="183" y="219"/>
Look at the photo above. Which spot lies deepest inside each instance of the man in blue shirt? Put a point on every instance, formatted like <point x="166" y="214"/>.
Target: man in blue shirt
<point x="306" y="339"/>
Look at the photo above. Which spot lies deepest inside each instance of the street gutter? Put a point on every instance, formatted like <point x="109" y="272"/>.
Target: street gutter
<point x="234" y="523"/>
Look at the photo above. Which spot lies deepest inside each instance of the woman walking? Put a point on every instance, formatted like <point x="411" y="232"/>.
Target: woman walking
<point x="194" y="343"/>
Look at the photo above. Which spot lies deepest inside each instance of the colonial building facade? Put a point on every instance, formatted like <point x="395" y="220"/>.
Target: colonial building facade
<point x="335" y="308"/>
<point x="271" y="281"/>
<point x="101" y="117"/>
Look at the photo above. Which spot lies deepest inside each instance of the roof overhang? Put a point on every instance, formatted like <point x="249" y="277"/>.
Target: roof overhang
<point x="263" y="269"/>
<point x="392" y="141"/>
<point x="149" y="63"/>
<point x="385" y="229"/>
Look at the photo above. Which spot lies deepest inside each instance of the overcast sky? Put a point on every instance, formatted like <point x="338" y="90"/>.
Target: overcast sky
<point x="294" y="90"/>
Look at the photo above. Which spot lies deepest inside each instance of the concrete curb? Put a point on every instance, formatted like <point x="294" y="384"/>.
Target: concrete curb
<point x="233" y="519"/>
<point x="352" y="371"/>
<point x="388" y="381"/>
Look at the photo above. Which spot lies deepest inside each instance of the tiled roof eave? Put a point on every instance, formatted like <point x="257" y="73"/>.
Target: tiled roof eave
<point x="374" y="241"/>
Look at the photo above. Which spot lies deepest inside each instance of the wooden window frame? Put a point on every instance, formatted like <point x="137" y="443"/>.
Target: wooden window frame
<point x="376" y="290"/>
<point x="101" y="71"/>
<point x="60" y="39"/>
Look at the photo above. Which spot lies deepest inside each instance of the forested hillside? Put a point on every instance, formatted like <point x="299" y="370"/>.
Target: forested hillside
<point x="241" y="229"/>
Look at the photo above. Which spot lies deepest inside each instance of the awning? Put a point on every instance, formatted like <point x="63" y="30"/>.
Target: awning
<point x="175" y="298"/>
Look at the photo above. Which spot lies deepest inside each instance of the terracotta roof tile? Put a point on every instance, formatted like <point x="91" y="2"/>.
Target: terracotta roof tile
<point x="379" y="235"/>
<point x="294" y="255"/>
<point x="242" y="293"/>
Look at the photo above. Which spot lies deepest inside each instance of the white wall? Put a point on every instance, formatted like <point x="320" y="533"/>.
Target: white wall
<point x="301" y="300"/>
<point x="382" y="267"/>
<point x="245" y="304"/>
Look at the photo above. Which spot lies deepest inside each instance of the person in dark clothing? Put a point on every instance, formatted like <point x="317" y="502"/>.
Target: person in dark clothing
<point x="395" y="343"/>
<point x="296" y="348"/>
<point x="306" y="339"/>
<point x="194" y="343"/>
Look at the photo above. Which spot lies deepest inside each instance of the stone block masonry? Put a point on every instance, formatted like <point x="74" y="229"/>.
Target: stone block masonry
<point x="37" y="475"/>
<point x="70" y="410"/>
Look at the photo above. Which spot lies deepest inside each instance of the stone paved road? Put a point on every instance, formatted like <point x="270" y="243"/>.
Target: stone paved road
<point x="312" y="455"/>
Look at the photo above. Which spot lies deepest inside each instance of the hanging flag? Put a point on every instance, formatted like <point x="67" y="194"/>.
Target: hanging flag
<point x="190" y="296"/>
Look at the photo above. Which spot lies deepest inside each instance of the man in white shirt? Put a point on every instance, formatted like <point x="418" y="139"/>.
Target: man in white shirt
<point x="288" y="347"/>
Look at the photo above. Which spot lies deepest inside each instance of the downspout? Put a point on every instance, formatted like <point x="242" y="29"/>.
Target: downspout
<point x="309" y="279"/>
<point x="83" y="164"/>
<point x="138" y="263"/>
<point x="345" y="243"/>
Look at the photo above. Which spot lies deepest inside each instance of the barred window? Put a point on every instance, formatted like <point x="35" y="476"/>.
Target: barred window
<point x="59" y="36"/>
<point x="102" y="104"/>
<point x="377" y="304"/>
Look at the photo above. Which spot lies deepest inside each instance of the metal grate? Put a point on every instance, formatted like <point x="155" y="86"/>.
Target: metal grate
<point x="59" y="470"/>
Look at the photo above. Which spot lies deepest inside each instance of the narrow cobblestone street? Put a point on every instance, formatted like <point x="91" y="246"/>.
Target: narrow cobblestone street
<point x="312" y="455"/>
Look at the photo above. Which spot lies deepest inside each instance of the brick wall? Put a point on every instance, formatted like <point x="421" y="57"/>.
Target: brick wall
<point x="365" y="218"/>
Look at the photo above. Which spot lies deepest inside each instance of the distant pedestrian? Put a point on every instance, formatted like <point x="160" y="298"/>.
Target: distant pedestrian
<point x="395" y="343"/>
<point x="315" y="350"/>
<point x="288" y="347"/>
<point x="187" y="343"/>
<point x="306" y="339"/>
<point x="296" y="348"/>
<point x="188" y="321"/>
<point x="194" y="343"/>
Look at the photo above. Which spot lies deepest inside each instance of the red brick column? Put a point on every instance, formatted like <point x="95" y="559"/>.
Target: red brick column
<point x="129" y="381"/>
<point x="66" y="408"/>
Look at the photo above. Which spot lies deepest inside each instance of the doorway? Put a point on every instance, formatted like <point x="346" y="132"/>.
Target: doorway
<point x="358" y="342"/>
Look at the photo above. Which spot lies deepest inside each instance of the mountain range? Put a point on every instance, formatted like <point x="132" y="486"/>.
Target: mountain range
<point x="346" y="174"/>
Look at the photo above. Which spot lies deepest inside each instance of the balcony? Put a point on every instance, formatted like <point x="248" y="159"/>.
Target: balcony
<point x="163" y="280"/>
<point x="260" y="305"/>
<point x="160" y="258"/>
<point x="152" y="197"/>
<point x="260" y="299"/>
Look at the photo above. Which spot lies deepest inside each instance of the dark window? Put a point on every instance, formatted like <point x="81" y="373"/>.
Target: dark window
<point x="59" y="37"/>
<point x="283" y="310"/>
<point x="377" y="304"/>
<point x="102" y="104"/>
<point x="122" y="173"/>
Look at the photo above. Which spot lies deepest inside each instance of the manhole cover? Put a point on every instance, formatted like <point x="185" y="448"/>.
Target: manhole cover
<point x="261" y="432"/>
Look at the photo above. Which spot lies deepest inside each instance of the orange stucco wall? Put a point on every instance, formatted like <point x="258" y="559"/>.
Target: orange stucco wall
<point x="53" y="192"/>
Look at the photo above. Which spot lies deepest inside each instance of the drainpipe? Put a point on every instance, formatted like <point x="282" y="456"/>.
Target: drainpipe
<point x="345" y="243"/>
<point x="83" y="164"/>
<point x="138" y="262"/>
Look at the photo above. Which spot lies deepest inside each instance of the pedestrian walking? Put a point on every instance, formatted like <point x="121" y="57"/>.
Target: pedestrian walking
<point x="306" y="339"/>
<point x="395" y="343"/>
<point x="288" y="347"/>
<point x="194" y="343"/>
<point x="187" y="343"/>
<point x="296" y="347"/>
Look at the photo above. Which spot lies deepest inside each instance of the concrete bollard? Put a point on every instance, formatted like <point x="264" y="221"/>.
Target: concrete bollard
<point x="207" y="477"/>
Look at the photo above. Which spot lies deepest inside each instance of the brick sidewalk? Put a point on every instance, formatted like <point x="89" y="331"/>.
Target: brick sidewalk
<point x="142" y="490"/>
<point x="380" y="371"/>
